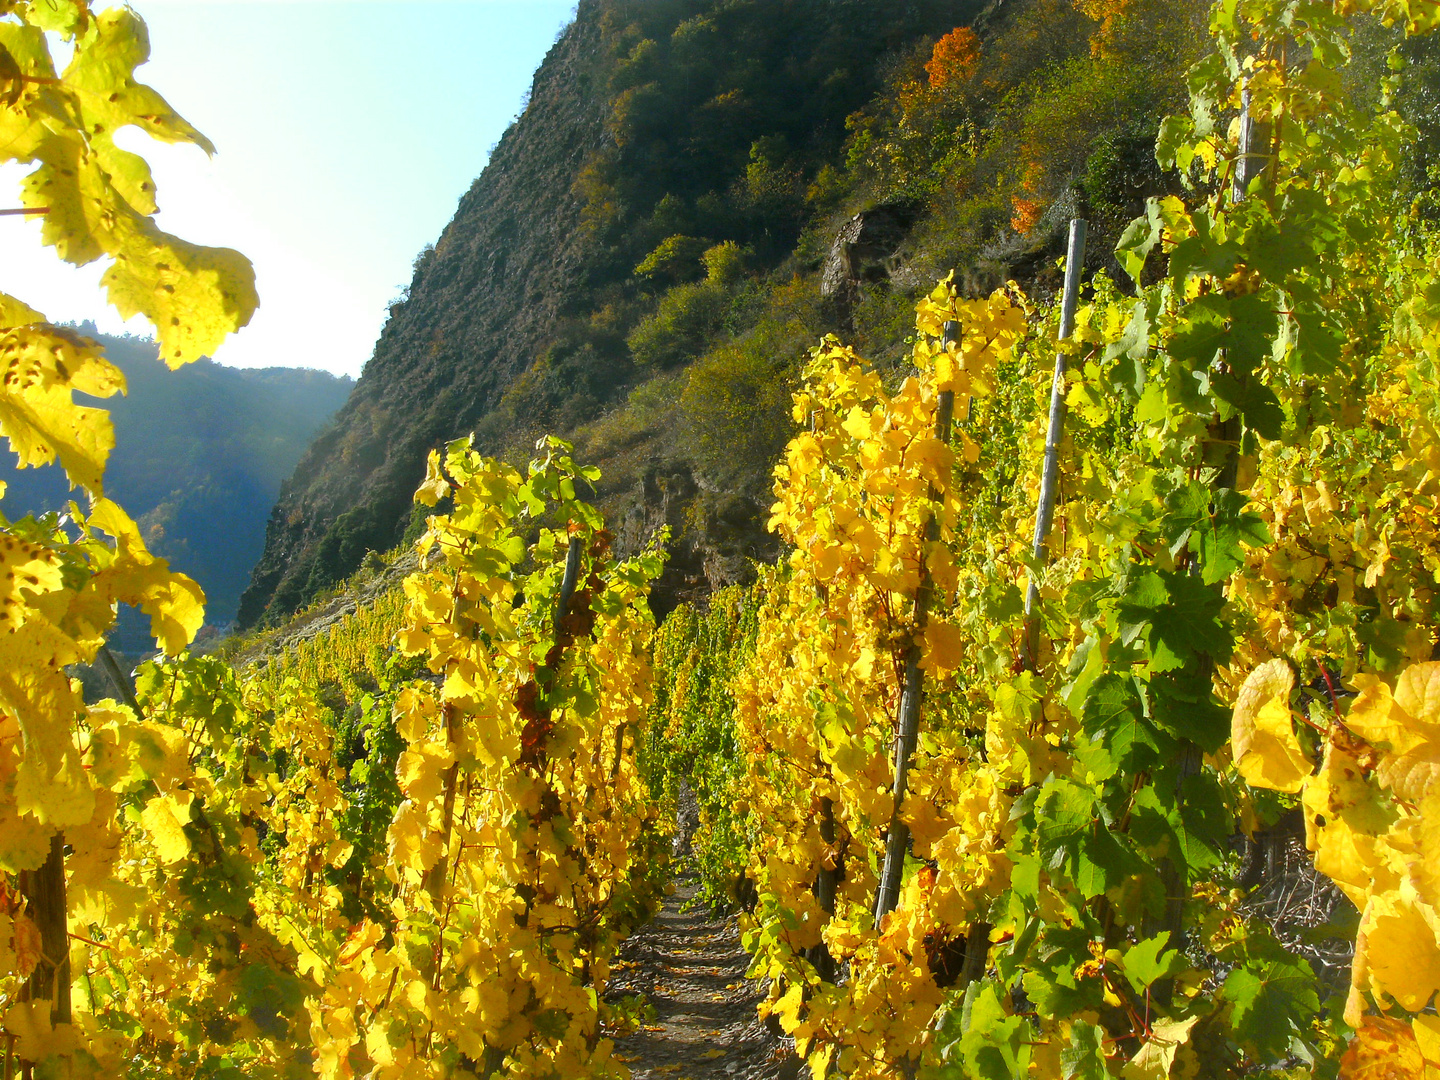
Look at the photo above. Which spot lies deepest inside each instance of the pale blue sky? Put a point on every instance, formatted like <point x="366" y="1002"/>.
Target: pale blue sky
<point x="346" y="132"/>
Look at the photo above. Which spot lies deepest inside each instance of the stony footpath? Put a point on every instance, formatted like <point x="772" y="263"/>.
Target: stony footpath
<point x="691" y="968"/>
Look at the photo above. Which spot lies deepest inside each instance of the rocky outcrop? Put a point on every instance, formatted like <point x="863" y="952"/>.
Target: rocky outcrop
<point x="716" y="537"/>
<point x="867" y="247"/>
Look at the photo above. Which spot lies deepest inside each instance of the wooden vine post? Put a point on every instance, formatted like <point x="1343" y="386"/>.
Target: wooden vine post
<point x="44" y="892"/>
<point x="1254" y="149"/>
<point x="1055" y="432"/>
<point x="435" y="880"/>
<point x="897" y="840"/>
<point x="827" y="881"/>
<point x="574" y="553"/>
<point x="1264" y="851"/>
<point x="1250" y="162"/>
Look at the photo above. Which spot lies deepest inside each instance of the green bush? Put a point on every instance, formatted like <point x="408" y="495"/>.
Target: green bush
<point x="736" y="403"/>
<point x="689" y="315"/>
<point x="675" y="258"/>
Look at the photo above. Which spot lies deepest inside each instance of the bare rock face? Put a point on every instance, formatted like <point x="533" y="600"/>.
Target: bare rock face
<point x="716" y="537"/>
<point x="869" y="248"/>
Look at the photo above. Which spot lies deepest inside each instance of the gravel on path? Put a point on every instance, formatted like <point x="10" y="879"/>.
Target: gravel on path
<point x="691" y="968"/>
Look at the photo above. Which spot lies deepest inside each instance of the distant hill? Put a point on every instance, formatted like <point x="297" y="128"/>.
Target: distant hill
<point x="200" y="456"/>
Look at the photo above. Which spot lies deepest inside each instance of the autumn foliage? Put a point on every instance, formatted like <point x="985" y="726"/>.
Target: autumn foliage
<point x="1238" y="618"/>
<point x="224" y="875"/>
<point x="955" y="56"/>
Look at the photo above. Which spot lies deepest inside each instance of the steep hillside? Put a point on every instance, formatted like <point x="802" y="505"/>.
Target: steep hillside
<point x="647" y="121"/>
<point x="199" y="457"/>
<point x="697" y="191"/>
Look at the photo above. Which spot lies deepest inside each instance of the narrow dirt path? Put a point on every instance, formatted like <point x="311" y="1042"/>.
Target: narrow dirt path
<point x="690" y="966"/>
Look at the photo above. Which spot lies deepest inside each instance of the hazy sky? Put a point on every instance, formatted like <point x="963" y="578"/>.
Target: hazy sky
<point x="346" y="132"/>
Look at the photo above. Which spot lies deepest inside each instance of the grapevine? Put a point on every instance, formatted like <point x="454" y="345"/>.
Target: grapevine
<point x="81" y="784"/>
<point x="1071" y="903"/>
<point x="524" y="848"/>
<point x="194" y="884"/>
<point x="413" y="845"/>
<point x="692" y="734"/>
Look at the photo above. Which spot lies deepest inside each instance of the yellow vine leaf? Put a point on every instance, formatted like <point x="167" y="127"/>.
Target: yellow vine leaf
<point x="164" y="818"/>
<point x="66" y="17"/>
<point x="926" y="823"/>
<point x="15" y="312"/>
<point x="1354" y="814"/>
<point x="24" y="842"/>
<point x="1266" y="751"/>
<point x="1405" y="724"/>
<point x="40" y="368"/>
<point x="155" y="752"/>
<point x="73" y="189"/>
<point x="1412" y="769"/>
<point x="1402" y="947"/>
<point x="174" y="602"/>
<point x="196" y="296"/>
<point x="377" y="1045"/>
<point x="435" y="486"/>
<point x="1427" y="841"/>
<point x="1399" y="721"/>
<point x="934" y="459"/>
<point x="787" y="1008"/>
<point x="419" y="772"/>
<point x="949" y="374"/>
<point x="77" y="178"/>
<point x="22" y="131"/>
<point x="1154" y="1059"/>
<point x="92" y="884"/>
<point x="1417" y="691"/>
<point x="942" y="648"/>
<point x="99" y="198"/>
<point x="1386" y="1049"/>
<point x="102" y="75"/>
<point x="35" y="1038"/>
<point x="50" y="783"/>
<point x="338" y="852"/>
<point x="1426" y="1029"/>
<point x="361" y="939"/>
<point x="26" y="571"/>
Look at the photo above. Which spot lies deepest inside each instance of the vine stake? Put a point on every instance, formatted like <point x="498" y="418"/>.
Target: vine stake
<point x="898" y="838"/>
<point x="1050" y="476"/>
